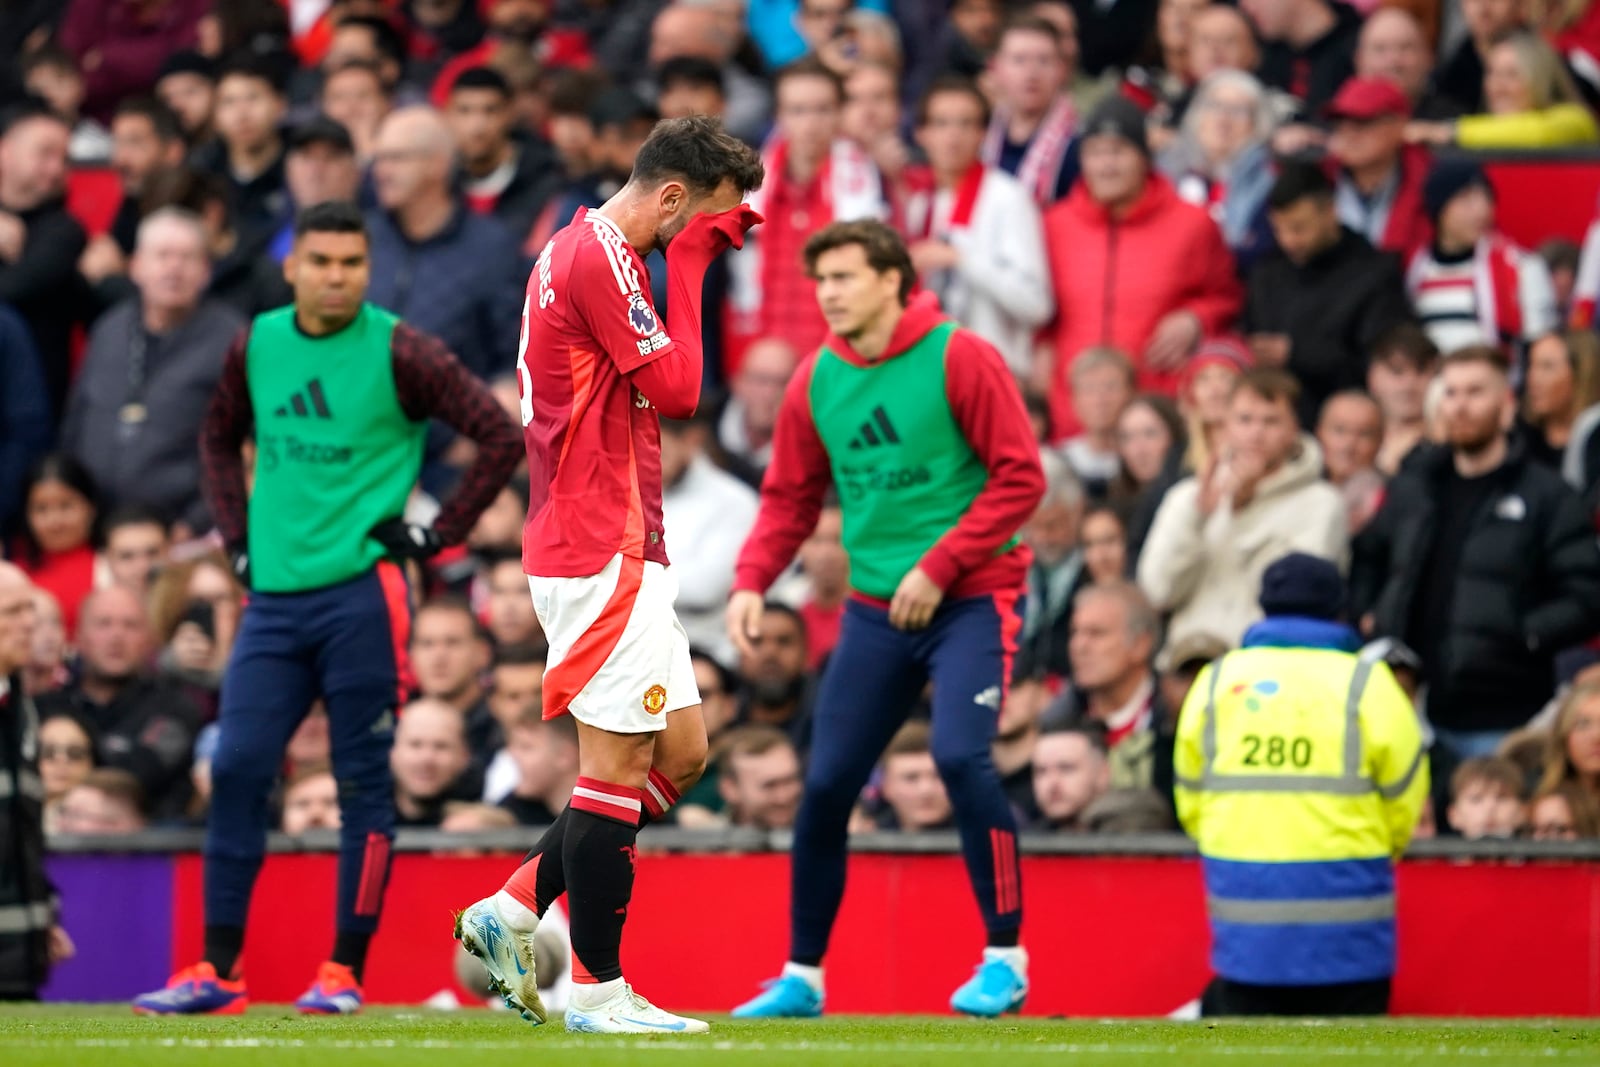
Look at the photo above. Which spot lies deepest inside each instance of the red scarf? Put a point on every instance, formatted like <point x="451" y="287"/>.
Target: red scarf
<point x="777" y="165"/>
<point x="1047" y="150"/>
<point x="925" y="191"/>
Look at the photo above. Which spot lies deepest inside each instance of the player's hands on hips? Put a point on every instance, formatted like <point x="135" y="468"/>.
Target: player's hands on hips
<point x="743" y="616"/>
<point x="707" y="236"/>
<point x="915" y="601"/>
<point x="406" y="540"/>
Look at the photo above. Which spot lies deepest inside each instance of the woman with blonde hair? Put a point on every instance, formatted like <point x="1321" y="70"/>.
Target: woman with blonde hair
<point x="1563" y="382"/>
<point x="1573" y="753"/>
<point x="1532" y="102"/>
<point x="1203" y="394"/>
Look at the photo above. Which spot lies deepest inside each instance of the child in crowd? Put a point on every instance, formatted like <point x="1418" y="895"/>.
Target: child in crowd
<point x="311" y="801"/>
<point x="1473" y="285"/>
<point x="1487" y="798"/>
<point x="56" y="547"/>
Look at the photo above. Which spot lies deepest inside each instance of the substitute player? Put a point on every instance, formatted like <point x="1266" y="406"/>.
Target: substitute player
<point x="337" y="394"/>
<point x="919" y="425"/>
<point x="596" y="371"/>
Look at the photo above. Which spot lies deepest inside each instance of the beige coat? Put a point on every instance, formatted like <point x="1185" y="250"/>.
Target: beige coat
<point x="1207" y="571"/>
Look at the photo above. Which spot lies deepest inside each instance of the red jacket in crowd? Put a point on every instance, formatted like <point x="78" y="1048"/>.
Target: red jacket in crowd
<point x="1115" y="279"/>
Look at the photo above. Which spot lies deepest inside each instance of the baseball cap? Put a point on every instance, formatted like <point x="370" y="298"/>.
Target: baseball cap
<point x="1364" y="99"/>
<point x="320" y="129"/>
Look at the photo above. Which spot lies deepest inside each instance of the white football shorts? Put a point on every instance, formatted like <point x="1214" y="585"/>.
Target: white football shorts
<point x="619" y="658"/>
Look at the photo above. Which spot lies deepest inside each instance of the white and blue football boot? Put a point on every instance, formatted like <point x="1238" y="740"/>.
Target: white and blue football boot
<point x="626" y="1012"/>
<point x="506" y="953"/>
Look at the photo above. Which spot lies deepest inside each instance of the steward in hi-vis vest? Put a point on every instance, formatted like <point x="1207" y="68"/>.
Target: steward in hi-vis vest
<point x="1301" y="774"/>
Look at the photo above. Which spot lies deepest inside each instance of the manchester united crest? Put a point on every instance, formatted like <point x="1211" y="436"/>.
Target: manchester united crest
<point x="655" y="698"/>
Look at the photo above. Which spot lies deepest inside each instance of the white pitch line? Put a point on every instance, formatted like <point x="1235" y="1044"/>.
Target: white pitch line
<point x="690" y="1044"/>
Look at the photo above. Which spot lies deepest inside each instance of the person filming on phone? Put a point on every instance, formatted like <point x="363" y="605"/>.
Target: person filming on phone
<point x="1260" y="499"/>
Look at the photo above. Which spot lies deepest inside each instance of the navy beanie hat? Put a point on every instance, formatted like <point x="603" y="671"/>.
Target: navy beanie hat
<point x="1300" y="584"/>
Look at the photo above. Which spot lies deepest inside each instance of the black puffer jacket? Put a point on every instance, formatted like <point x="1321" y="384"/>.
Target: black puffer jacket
<point x="1528" y="586"/>
<point x="1333" y="309"/>
<point x="27" y="902"/>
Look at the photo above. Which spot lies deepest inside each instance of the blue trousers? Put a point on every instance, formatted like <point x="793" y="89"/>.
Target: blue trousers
<point x="872" y="682"/>
<point x="342" y="643"/>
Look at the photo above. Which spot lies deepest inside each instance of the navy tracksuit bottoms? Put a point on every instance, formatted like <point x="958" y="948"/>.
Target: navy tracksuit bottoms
<point x="872" y="682"/>
<point x="344" y="643"/>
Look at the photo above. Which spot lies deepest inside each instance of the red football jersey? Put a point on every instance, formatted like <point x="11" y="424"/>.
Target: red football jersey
<point x="594" y="441"/>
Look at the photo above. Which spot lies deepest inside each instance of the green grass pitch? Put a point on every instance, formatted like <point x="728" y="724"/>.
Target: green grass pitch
<point x="99" y="1036"/>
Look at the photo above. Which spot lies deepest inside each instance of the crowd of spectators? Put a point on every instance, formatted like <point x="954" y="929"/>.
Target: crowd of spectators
<point x="1241" y="260"/>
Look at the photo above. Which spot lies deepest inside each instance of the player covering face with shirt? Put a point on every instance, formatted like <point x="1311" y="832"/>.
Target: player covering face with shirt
<point x="596" y="371"/>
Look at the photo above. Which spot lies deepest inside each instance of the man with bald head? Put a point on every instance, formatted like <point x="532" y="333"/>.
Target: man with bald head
<point x="153" y="360"/>
<point x="442" y="267"/>
<point x="17" y="617"/>
<point x="747" y="419"/>
<point x="699" y="31"/>
<point x="689" y="30"/>
<point x="146" y="725"/>
<point x="430" y="754"/>
<point x="30" y="940"/>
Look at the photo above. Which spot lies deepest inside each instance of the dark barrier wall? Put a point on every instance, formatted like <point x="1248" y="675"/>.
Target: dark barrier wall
<point x="1108" y="934"/>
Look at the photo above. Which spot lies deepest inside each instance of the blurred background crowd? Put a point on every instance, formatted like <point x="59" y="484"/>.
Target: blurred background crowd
<point x="1223" y="248"/>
